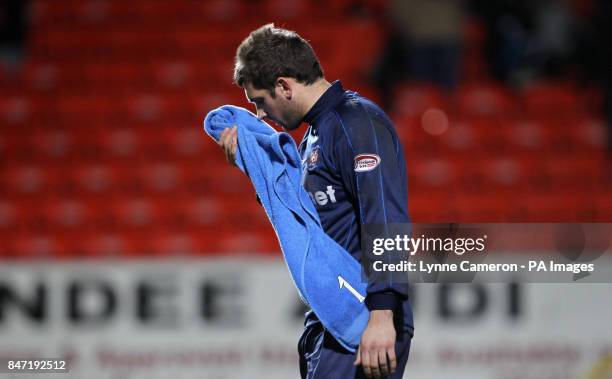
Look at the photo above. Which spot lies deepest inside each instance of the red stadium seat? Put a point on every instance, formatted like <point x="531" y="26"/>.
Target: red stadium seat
<point x="15" y="146"/>
<point x="216" y="178"/>
<point x="431" y="207"/>
<point x="559" y="207"/>
<point x="288" y="9"/>
<point x="67" y="214"/>
<point x="104" y="153"/>
<point x="192" y="143"/>
<point x="84" y="111"/>
<point x="47" y="245"/>
<point x="603" y="206"/>
<point x="194" y="242"/>
<point x="175" y="74"/>
<point x="146" y="108"/>
<point x="52" y="144"/>
<point x="42" y="76"/>
<point x="553" y="100"/>
<point x="200" y="211"/>
<point x="128" y="180"/>
<point x="461" y="136"/>
<point x="161" y="177"/>
<point x="574" y="173"/>
<point x="135" y="213"/>
<point x="568" y="138"/>
<point x="364" y="36"/>
<point x="528" y="136"/>
<point x="120" y="143"/>
<point x="246" y="215"/>
<point x="503" y="174"/>
<point x="490" y="136"/>
<point x="26" y="215"/>
<point x="432" y="175"/>
<point x="232" y="242"/>
<point x="588" y="134"/>
<point x="9" y="216"/>
<point x="222" y="10"/>
<point x="483" y="208"/>
<point x="95" y="178"/>
<point x="28" y="180"/>
<point x="414" y="99"/>
<point x="485" y="100"/>
<point x="3" y="147"/>
<point x="110" y="245"/>
<point x="15" y="110"/>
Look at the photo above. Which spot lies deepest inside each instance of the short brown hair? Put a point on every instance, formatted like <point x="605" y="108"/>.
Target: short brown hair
<point x="270" y="52"/>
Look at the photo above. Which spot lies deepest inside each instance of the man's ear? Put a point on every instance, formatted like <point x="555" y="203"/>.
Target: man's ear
<point x="285" y="87"/>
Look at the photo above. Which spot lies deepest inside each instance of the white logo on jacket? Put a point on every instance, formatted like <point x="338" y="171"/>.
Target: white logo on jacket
<point x="366" y="162"/>
<point x="322" y="198"/>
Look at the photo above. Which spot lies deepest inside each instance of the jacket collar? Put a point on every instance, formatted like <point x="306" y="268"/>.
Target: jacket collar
<point x="328" y="101"/>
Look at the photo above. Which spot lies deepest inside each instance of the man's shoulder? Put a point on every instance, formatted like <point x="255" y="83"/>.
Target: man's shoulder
<point x="354" y="115"/>
<point x="361" y="110"/>
<point x="357" y="113"/>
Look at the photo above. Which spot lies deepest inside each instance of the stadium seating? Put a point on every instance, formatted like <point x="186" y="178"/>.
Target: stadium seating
<point x="103" y="151"/>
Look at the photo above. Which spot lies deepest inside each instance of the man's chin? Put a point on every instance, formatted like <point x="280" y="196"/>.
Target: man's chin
<point x="290" y="127"/>
<point x="276" y="123"/>
<point x="284" y="125"/>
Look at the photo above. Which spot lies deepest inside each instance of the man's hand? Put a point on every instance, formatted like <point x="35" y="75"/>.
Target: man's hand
<point x="229" y="142"/>
<point x="376" y="352"/>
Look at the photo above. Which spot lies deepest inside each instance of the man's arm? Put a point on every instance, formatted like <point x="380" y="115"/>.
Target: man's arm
<point x="379" y="186"/>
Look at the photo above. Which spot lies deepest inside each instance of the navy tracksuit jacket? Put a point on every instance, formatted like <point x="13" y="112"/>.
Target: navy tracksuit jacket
<point x="355" y="172"/>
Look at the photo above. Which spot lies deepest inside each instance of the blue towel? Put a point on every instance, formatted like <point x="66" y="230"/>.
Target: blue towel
<point x="326" y="276"/>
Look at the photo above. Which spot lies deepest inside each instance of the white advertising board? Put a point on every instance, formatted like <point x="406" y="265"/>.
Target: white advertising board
<point x="240" y="317"/>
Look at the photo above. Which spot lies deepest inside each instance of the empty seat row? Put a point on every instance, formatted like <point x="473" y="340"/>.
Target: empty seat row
<point x="128" y="245"/>
<point x="188" y="143"/>
<point x="48" y="14"/>
<point x="163" y="178"/>
<point x="121" y="213"/>
<point x="542" y="100"/>
<point x="545" y="207"/>
<point x="210" y="171"/>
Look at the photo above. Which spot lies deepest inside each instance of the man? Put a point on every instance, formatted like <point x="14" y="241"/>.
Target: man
<point x="354" y="170"/>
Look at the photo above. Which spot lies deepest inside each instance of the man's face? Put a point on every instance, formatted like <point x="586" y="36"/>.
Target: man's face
<point x="279" y="109"/>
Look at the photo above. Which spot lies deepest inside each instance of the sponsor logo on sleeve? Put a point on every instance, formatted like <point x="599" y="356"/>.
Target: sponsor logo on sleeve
<point x="366" y="162"/>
